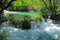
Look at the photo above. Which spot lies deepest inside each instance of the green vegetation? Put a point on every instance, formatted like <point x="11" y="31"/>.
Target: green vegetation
<point x="23" y="15"/>
<point x="4" y="35"/>
<point x="31" y="4"/>
<point x="28" y="10"/>
<point x="4" y="4"/>
<point x="47" y="7"/>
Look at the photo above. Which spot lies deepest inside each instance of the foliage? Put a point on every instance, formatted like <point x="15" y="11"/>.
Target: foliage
<point x="4" y="35"/>
<point x="52" y="9"/>
<point x="4" y="4"/>
<point x="49" y="6"/>
<point x="23" y="15"/>
<point x="31" y="4"/>
<point x="37" y="4"/>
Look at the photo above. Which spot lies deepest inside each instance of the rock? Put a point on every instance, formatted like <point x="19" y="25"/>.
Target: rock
<point x="55" y="17"/>
<point x="26" y="25"/>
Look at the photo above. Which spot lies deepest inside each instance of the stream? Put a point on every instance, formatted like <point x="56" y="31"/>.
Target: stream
<point x="40" y="30"/>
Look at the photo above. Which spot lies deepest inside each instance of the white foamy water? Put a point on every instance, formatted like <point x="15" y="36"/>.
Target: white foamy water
<point x="39" y="30"/>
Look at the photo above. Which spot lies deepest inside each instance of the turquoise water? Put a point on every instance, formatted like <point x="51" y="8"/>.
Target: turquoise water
<point x="47" y="30"/>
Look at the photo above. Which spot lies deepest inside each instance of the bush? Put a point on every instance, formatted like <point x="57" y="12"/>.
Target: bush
<point x="4" y="35"/>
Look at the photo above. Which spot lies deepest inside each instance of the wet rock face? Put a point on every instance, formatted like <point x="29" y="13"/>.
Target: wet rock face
<point x="20" y="24"/>
<point x="26" y="25"/>
<point x="55" y="17"/>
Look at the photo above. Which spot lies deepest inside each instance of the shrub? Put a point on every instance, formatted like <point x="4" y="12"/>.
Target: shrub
<point x="4" y="35"/>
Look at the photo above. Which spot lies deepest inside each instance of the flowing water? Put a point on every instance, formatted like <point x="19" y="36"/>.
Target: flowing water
<point x="40" y="30"/>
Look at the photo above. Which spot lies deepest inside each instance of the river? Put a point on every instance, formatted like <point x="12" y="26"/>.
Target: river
<point x="40" y="30"/>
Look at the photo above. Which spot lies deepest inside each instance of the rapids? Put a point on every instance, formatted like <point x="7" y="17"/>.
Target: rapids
<point x="40" y="30"/>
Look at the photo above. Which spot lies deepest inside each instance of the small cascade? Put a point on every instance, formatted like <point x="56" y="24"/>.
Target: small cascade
<point x="44" y="30"/>
<point x="43" y="20"/>
<point x="35" y="24"/>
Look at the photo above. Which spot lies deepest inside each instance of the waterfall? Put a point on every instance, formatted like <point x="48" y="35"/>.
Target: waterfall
<point x="43" y="20"/>
<point x="39" y="30"/>
<point x="31" y="34"/>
